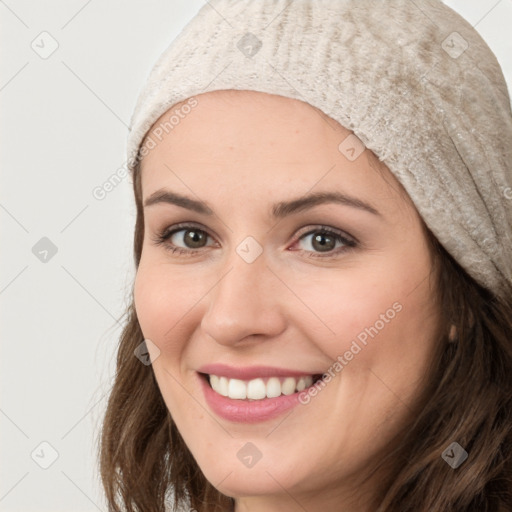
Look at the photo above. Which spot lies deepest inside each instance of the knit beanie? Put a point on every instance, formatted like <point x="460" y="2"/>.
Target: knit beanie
<point x="413" y="81"/>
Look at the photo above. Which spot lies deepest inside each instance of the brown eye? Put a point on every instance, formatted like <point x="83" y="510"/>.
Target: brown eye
<point x="194" y="238"/>
<point x="325" y="242"/>
<point x="188" y="240"/>
<point x="184" y="240"/>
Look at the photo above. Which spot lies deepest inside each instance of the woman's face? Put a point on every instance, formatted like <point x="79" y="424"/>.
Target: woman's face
<point x="272" y="280"/>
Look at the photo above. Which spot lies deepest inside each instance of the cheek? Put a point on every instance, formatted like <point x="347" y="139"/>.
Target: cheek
<point x="382" y="318"/>
<point x="156" y="302"/>
<point x="160" y="312"/>
<point x="392" y="333"/>
<point x="168" y="305"/>
<point x="353" y="310"/>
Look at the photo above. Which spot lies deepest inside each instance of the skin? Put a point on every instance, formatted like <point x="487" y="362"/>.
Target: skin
<point x="241" y="152"/>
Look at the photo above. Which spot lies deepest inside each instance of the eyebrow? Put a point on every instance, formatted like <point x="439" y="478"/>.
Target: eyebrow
<point x="279" y="210"/>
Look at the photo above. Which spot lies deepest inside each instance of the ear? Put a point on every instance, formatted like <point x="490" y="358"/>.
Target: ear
<point x="453" y="334"/>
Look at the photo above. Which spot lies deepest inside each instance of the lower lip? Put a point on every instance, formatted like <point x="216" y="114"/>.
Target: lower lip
<point x="245" y="411"/>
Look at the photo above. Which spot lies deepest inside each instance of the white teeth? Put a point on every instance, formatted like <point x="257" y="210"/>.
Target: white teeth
<point x="257" y="389"/>
<point x="288" y="386"/>
<point x="237" y="389"/>
<point x="273" y="387"/>
<point x="304" y="382"/>
<point x="223" y="386"/>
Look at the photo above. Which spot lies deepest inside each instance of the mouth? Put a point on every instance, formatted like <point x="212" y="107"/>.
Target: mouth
<point x="259" y="388"/>
<point x="253" y="394"/>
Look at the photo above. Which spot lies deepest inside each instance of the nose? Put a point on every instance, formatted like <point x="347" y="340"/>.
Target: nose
<point x="245" y="304"/>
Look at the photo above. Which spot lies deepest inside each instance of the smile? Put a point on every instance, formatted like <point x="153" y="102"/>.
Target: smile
<point x="255" y="394"/>
<point x="259" y="388"/>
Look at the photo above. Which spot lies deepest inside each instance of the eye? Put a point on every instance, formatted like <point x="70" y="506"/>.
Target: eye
<point x="323" y="244"/>
<point x="324" y="239"/>
<point x="191" y="236"/>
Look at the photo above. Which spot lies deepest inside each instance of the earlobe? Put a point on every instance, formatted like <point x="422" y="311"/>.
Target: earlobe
<point x="453" y="334"/>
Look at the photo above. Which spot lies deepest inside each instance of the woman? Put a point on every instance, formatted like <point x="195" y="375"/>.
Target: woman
<point x="321" y="315"/>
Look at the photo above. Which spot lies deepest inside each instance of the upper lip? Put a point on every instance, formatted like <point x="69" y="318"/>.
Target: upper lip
<point x="251" y="372"/>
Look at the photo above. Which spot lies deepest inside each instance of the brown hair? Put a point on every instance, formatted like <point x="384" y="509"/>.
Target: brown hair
<point x="467" y="398"/>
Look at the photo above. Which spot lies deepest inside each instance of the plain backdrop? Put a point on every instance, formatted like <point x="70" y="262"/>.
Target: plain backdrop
<point x="67" y="266"/>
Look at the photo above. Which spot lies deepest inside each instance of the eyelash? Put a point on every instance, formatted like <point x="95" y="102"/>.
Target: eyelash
<point x="349" y="243"/>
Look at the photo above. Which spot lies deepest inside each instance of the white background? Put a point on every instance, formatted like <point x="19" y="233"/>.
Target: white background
<point x="63" y="131"/>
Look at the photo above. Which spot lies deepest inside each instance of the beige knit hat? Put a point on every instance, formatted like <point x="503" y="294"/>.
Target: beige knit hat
<point x="412" y="79"/>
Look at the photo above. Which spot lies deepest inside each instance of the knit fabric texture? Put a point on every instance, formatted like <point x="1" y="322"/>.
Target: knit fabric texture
<point x="412" y="80"/>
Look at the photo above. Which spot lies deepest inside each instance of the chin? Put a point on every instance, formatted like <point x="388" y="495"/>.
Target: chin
<point x="265" y="478"/>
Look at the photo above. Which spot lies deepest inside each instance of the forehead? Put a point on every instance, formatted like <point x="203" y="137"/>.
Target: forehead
<point x="259" y="141"/>
<point x="232" y="124"/>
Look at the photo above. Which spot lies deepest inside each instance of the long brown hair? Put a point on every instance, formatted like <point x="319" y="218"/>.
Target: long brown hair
<point x="467" y="399"/>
